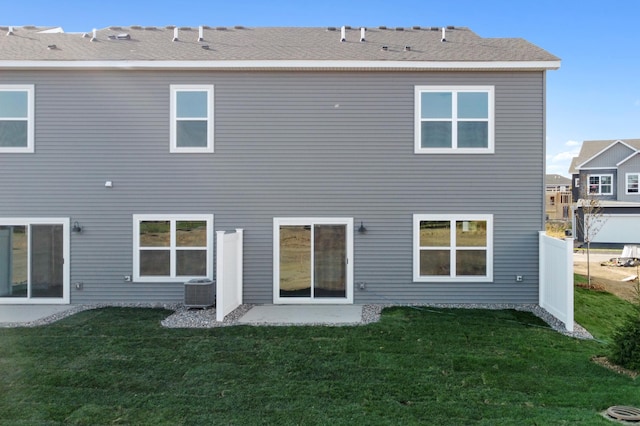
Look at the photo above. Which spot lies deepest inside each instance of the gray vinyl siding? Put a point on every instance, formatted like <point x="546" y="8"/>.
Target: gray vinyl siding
<point x="609" y="158"/>
<point x="630" y="166"/>
<point x="286" y="145"/>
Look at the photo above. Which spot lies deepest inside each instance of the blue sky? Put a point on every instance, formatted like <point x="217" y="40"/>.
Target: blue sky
<point x="594" y="95"/>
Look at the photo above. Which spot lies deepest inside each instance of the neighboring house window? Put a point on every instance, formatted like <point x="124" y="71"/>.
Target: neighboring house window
<point x="601" y="184"/>
<point x="452" y="248"/>
<point x="454" y="119"/>
<point x="632" y="183"/>
<point x="16" y="118"/>
<point x="191" y="118"/>
<point x="170" y="248"/>
<point x="553" y="200"/>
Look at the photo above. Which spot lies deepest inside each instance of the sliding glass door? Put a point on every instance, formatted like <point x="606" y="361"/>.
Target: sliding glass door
<point x="312" y="260"/>
<point x="32" y="261"/>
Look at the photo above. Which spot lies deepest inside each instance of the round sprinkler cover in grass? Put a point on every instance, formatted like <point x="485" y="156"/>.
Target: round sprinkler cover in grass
<point x="620" y="412"/>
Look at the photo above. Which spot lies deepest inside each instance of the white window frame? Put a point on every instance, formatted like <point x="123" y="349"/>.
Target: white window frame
<point x="175" y="89"/>
<point x="599" y="184"/>
<point x="490" y="149"/>
<point x="66" y="274"/>
<point x="452" y="218"/>
<point x="30" y="89"/>
<point x="626" y="183"/>
<point x="172" y="218"/>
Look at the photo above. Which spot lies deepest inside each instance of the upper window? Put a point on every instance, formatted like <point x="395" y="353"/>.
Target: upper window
<point x="454" y="119"/>
<point x="601" y="184"/>
<point x="452" y="247"/>
<point x="632" y="183"/>
<point x="191" y="118"/>
<point x="170" y="248"/>
<point x="16" y="118"/>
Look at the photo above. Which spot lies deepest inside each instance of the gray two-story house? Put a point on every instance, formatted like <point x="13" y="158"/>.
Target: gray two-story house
<point x="364" y="165"/>
<point x="609" y="171"/>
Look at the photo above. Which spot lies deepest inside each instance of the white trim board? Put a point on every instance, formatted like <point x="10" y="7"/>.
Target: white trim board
<point x="287" y="64"/>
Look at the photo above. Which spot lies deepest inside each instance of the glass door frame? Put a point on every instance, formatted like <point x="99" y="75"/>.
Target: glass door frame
<point x="27" y="222"/>
<point x="311" y="221"/>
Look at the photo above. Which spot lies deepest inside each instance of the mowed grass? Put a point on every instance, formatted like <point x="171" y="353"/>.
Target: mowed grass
<point x="600" y="312"/>
<point x="119" y="366"/>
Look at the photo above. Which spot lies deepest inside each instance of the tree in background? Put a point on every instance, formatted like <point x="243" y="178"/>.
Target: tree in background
<point x="590" y="221"/>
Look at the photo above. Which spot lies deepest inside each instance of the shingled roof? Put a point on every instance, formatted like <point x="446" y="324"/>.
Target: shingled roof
<point x="590" y="148"/>
<point x="39" y="46"/>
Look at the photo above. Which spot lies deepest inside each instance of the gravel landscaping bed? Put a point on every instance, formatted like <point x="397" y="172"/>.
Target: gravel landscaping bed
<point x="183" y="317"/>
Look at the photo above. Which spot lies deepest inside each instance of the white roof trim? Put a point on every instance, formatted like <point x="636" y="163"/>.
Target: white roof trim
<point x="628" y="158"/>
<point x="580" y="166"/>
<point x="284" y="64"/>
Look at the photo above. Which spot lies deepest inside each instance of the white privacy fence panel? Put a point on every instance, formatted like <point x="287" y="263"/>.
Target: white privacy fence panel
<point x="228" y="272"/>
<point x="556" y="278"/>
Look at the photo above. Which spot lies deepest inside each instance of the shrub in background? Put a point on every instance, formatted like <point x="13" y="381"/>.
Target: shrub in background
<point x="625" y="346"/>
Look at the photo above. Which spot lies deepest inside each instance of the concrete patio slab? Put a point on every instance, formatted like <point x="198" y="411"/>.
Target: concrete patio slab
<point x="19" y="314"/>
<point x="303" y="315"/>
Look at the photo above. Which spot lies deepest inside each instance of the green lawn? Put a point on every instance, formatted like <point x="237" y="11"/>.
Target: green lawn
<point x="598" y="311"/>
<point x="119" y="366"/>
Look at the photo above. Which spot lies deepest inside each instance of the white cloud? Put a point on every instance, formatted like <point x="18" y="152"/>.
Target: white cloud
<point x="557" y="169"/>
<point x="564" y="156"/>
<point x="572" y="143"/>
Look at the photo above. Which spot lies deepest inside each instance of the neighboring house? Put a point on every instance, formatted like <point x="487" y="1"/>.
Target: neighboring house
<point x="557" y="198"/>
<point x="364" y="165"/>
<point x="609" y="171"/>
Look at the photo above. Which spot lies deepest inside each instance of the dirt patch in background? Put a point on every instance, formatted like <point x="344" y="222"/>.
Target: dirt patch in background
<point x="607" y="277"/>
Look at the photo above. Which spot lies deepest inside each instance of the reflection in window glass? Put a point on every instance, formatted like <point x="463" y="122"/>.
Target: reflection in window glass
<point x="191" y="134"/>
<point x="295" y="261"/>
<point x="191" y="118"/>
<point x="471" y="262"/>
<point x="472" y="134"/>
<point x="435" y="262"/>
<point x="436" y="105"/>
<point x="191" y="233"/>
<point x="191" y="104"/>
<point x="436" y="134"/>
<point x="473" y="105"/>
<point x="191" y="263"/>
<point x="171" y="249"/>
<point x="452" y="247"/>
<point x="435" y="233"/>
<point x="329" y="266"/>
<point x="155" y="263"/>
<point x="13" y="261"/>
<point x="13" y="134"/>
<point x="456" y="118"/>
<point x="155" y="234"/>
<point x="471" y="233"/>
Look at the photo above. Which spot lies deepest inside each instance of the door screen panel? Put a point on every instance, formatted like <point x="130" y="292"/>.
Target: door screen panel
<point x="46" y="261"/>
<point x="330" y="268"/>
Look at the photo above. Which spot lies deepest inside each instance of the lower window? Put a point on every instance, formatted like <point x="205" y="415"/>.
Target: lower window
<point x="452" y="247"/>
<point x="172" y="247"/>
